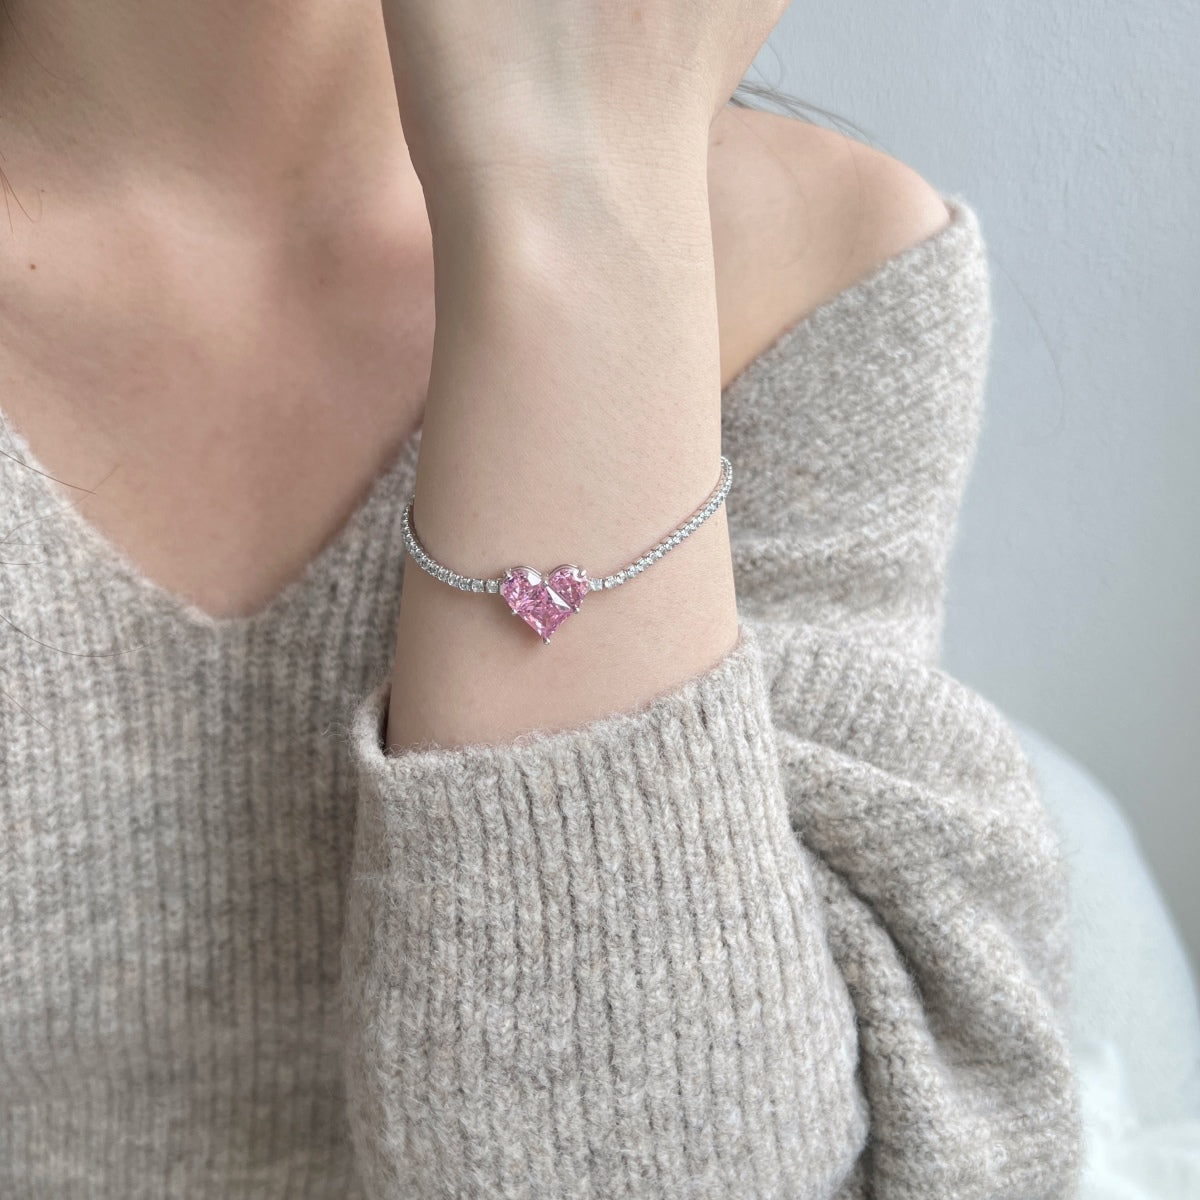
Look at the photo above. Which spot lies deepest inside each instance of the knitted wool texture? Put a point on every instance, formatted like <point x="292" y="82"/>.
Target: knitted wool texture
<point x="795" y="929"/>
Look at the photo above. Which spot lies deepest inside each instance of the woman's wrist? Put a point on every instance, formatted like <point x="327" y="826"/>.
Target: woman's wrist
<point x="564" y="344"/>
<point x="573" y="415"/>
<point x="538" y="206"/>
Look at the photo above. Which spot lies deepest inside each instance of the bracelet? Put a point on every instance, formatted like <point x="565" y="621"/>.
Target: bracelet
<point x="545" y="602"/>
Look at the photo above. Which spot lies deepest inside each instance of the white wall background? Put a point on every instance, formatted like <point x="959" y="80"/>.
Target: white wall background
<point x="1073" y="128"/>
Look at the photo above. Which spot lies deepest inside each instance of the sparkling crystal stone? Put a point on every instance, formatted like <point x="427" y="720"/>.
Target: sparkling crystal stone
<point x="544" y="604"/>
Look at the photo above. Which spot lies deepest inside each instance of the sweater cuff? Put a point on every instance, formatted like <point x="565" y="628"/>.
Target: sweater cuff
<point x="671" y="742"/>
<point x="605" y="942"/>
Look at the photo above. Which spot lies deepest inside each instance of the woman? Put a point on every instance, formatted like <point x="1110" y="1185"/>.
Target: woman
<point x="324" y="877"/>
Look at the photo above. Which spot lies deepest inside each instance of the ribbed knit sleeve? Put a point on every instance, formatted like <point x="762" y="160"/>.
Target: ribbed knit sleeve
<point x="593" y="964"/>
<point x="796" y="928"/>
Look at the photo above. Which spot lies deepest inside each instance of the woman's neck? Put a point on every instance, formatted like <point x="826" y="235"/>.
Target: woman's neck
<point x="280" y="110"/>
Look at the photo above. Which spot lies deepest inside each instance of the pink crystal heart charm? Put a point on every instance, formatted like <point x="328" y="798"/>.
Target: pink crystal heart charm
<point x="544" y="604"/>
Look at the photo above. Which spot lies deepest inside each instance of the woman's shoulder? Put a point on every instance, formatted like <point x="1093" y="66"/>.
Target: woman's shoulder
<point x="800" y="214"/>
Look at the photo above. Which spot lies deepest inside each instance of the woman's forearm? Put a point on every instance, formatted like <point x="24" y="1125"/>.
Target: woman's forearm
<point x="573" y="415"/>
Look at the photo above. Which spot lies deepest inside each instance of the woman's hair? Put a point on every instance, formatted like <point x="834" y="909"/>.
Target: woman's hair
<point x="791" y="105"/>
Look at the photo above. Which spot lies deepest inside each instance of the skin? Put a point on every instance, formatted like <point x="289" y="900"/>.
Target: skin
<point x="250" y="160"/>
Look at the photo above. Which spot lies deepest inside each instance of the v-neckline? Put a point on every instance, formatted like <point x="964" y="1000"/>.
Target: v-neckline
<point x="390" y="488"/>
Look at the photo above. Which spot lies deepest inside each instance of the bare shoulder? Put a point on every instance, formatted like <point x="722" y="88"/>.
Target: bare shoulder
<point x="799" y="214"/>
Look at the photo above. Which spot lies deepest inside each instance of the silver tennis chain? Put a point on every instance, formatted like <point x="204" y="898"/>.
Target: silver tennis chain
<point x="544" y="602"/>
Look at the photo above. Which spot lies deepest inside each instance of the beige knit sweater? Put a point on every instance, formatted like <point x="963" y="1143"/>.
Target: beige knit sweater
<point x="797" y="929"/>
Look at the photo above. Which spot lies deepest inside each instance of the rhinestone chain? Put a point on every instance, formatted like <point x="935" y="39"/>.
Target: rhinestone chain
<point x="467" y="583"/>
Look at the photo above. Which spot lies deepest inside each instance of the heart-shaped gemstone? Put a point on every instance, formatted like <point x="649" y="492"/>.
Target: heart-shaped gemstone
<point x="544" y="604"/>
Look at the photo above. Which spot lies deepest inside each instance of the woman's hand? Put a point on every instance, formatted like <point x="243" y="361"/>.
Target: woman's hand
<point x="517" y="87"/>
